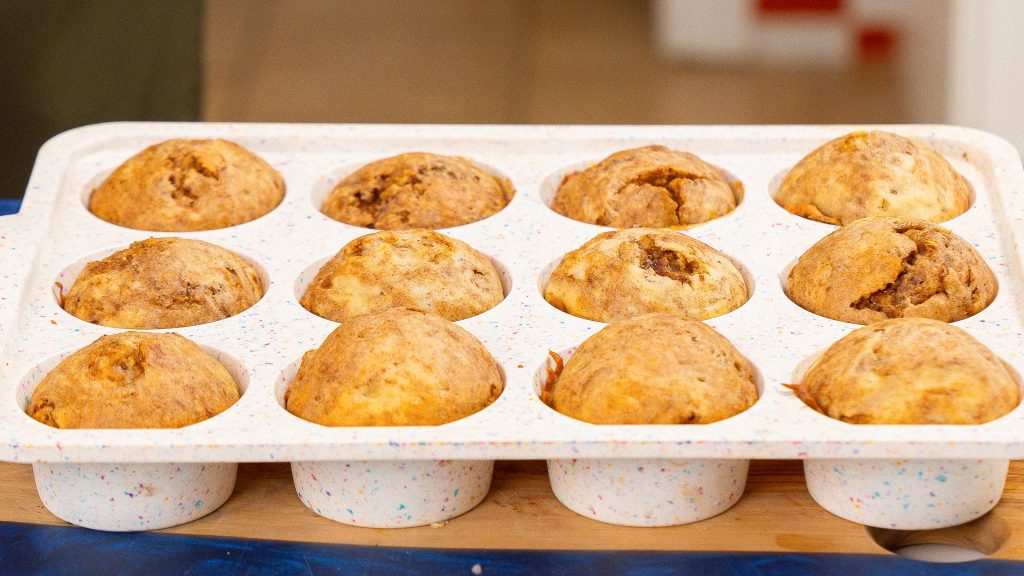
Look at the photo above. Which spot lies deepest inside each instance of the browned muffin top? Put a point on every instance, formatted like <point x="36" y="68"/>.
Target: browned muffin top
<point x="134" y="380"/>
<point x="878" y="268"/>
<point x="185" y="185"/>
<point x="655" y="369"/>
<point x="164" y="283"/>
<point x="650" y="187"/>
<point x="417" y="190"/>
<point x="873" y="174"/>
<point x="396" y="368"/>
<point x="626" y="273"/>
<point x="909" y="371"/>
<point x="415" y="268"/>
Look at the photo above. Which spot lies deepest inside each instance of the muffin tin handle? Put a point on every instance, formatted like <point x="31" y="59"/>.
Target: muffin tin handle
<point x="18" y="247"/>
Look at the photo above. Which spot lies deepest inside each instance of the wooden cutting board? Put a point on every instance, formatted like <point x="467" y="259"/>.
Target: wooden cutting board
<point x="776" y="514"/>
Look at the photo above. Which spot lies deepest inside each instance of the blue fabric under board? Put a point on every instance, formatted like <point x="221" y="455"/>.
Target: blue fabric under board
<point x="34" y="549"/>
<point x="9" y="206"/>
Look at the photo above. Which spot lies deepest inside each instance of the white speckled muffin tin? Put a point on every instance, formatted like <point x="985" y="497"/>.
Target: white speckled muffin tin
<point x="638" y="475"/>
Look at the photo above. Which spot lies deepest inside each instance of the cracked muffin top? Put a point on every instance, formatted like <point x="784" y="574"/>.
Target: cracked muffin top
<point x="878" y="268"/>
<point x="415" y="268"/>
<point x="873" y="174"/>
<point x="417" y="190"/>
<point x="187" y="185"/>
<point x="909" y="371"/>
<point x="654" y="369"/>
<point x="650" y="187"/>
<point x="163" y="283"/>
<point x="397" y="368"/>
<point x="134" y="380"/>
<point x="626" y="273"/>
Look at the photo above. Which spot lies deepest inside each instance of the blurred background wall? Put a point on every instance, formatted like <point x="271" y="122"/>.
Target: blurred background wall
<point x="68" y="63"/>
<point x="520" y="61"/>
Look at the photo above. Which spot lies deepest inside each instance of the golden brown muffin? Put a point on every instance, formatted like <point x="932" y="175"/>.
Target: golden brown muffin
<point x="655" y="369"/>
<point x="877" y="268"/>
<point x="134" y="380"/>
<point x="417" y="190"/>
<point x="184" y="185"/>
<point x="873" y="174"/>
<point x="164" y="283"/>
<point x="626" y="273"/>
<point x="397" y="368"/>
<point x="651" y="186"/>
<point x="414" y="268"/>
<point x="909" y="371"/>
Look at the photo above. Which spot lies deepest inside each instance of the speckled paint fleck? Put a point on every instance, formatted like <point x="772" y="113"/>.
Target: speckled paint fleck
<point x="392" y="494"/>
<point x="54" y="234"/>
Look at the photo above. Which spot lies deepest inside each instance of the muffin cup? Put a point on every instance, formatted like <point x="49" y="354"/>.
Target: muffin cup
<point x="906" y="494"/>
<point x="392" y="494"/>
<point x="648" y="492"/>
<point x="131" y="497"/>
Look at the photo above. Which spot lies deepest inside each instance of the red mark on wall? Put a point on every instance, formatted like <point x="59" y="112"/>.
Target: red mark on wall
<point x="875" y="43"/>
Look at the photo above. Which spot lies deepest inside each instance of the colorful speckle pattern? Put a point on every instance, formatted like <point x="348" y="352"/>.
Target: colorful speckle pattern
<point x="54" y="234"/>
<point x="392" y="494"/>
<point x="907" y="494"/>
<point x="131" y="497"/>
<point x="648" y="492"/>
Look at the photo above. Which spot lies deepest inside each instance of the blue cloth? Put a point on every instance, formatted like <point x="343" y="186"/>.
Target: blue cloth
<point x="9" y="206"/>
<point x="28" y="549"/>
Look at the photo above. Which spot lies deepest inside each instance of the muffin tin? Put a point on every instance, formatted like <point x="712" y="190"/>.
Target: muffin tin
<point x="391" y="476"/>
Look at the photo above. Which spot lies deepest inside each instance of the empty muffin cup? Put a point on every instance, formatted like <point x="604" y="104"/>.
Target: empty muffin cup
<point x="392" y="494"/>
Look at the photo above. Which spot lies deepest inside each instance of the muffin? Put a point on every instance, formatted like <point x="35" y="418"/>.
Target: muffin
<point x="626" y="273"/>
<point x="878" y="268"/>
<point x="646" y="187"/>
<point x="415" y="268"/>
<point x="654" y="369"/>
<point x="417" y="190"/>
<point x="186" y="185"/>
<point x="873" y="174"/>
<point x="164" y="283"/>
<point x="909" y="371"/>
<point x="134" y="380"/>
<point x="397" y="368"/>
